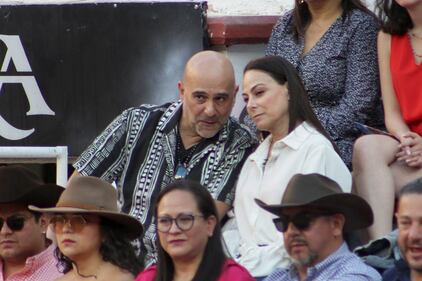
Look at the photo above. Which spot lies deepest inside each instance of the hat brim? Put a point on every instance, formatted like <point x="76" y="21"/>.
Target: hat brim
<point x="356" y="210"/>
<point x="132" y="226"/>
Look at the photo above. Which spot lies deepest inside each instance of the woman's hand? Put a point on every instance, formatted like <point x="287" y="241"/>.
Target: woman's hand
<point x="410" y="149"/>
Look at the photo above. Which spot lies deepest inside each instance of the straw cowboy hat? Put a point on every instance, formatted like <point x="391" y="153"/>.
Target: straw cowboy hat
<point x="91" y="195"/>
<point x="315" y="190"/>
<point x="20" y="185"/>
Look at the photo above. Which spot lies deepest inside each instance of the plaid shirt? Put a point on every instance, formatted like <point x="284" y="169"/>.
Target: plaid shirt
<point x="137" y="151"/>
<point x="41" y="267"/>
<point x="342" y="265"/>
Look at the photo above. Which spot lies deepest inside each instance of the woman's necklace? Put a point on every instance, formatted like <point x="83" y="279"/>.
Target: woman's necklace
<point x="413" y="35"/>
<point x="95" y="276"/>
<point x="183" y="156"/>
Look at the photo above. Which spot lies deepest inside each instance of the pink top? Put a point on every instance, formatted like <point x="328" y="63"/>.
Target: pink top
<point x="37" y="268"/>
<point x="407" y="76"/>
<point x="232" y="271"/>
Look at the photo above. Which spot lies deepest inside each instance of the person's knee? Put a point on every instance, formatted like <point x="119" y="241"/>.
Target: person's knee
<point x="363" y="151"/>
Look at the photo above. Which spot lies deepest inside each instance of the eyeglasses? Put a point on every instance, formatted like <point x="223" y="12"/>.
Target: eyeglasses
<point x="183" y="221"/>
<point x="14" y="222"/>
<point x="302" y="221"/>
<point x="76" y="222"/>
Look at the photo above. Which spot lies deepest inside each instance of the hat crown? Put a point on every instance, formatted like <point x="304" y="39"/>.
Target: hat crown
<point x="303" y="189"/>
<point x="20" y="185"/>
<point x="89" y="193"/>
<point x="315" y="190"/>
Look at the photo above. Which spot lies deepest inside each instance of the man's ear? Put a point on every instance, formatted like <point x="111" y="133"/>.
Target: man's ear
<point x="44" y="221"/>
<point x="236" y="89"/>
<point x="181" y="88"/>
<point x="338" y="224"/>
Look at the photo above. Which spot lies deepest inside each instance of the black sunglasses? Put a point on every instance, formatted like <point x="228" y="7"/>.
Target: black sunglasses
<point x="302" y="221"/>
<point x="14" y="222"/>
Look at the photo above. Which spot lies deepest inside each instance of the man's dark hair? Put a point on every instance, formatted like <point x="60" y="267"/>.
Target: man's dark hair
<point x="414" y="187"/>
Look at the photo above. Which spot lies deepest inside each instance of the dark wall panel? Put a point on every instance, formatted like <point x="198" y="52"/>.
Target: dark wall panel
<point x="90" y="61"/>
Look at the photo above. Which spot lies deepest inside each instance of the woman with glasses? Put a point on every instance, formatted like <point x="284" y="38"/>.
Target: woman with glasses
<point x="297" y="143"/>
<point x="189" y="238"/>
<point x="93" y="237"/>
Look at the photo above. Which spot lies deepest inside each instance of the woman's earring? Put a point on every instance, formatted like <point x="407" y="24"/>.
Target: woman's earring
<point x="301" y="1"/>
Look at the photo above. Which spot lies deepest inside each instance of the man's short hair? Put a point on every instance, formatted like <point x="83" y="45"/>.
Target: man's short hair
<point x="414" y="187"/>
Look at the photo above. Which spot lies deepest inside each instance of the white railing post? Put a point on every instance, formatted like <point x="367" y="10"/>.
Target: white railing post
<point x="25" y="154"/>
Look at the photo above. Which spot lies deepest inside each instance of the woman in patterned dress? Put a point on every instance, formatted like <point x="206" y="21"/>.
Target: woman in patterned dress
<point x="332" y="44"/>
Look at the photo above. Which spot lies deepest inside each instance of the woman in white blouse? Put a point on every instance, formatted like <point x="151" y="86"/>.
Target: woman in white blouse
<point x="297" y="143"/>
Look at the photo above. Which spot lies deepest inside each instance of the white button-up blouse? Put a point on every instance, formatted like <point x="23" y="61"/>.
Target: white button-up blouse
<point x="304" y="151"/>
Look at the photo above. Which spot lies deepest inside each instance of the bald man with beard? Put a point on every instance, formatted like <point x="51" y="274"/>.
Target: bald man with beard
<point x="147" y="147"/>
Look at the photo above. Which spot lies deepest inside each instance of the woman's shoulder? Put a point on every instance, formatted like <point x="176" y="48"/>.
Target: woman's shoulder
<point x="233" y="271"/>
<point x="148" y="274"/>
<point x="359" y="18"/>
<point x="284" y="21"/>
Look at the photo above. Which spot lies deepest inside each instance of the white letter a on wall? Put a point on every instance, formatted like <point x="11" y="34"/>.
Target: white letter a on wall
<point x="37" y="106"/>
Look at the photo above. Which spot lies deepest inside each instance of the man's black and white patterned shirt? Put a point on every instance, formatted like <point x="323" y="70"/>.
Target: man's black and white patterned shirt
<point x="137" y="151"/>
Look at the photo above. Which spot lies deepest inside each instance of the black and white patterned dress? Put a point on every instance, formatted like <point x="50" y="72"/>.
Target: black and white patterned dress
<point x="340" y="74"/>
<point x="137" y="151"/>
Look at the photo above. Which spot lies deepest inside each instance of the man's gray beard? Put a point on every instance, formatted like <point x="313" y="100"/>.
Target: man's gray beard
<point x="306" y="262"/>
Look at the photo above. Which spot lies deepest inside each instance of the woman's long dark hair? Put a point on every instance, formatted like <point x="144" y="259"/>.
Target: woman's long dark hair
<point x="213" y="258"/>
<point x="302" y="16"/>
<point x="394" y="18"/>
<point x="299" y="107"/>
<point x="115" y="248"/>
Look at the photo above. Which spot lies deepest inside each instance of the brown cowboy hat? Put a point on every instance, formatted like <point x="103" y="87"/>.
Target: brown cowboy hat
<point x="315" y="190"/>
<point x="20" y="185"/>
<point x="91" y="195"/>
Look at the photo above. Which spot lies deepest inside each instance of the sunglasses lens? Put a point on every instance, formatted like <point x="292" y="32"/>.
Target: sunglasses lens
<point x="15" y="223"/>
<point x="281" y="224"/>
<point x="57" y="222"/>
<point x="75" y="222"/>
<point x="302" y="221"/>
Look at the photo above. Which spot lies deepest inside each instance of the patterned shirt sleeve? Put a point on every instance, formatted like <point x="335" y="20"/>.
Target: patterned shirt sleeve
<point x="105" y="157"/>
